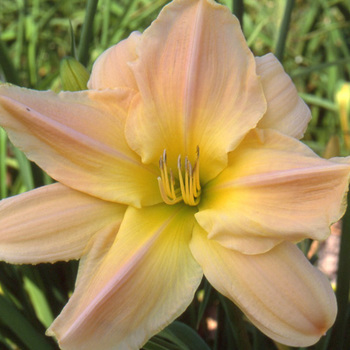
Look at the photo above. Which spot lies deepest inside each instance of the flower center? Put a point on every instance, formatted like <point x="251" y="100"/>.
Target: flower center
<point x="187" y="187"/>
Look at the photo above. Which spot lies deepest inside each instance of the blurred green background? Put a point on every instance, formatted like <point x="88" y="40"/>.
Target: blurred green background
<point x="311" y="38"/>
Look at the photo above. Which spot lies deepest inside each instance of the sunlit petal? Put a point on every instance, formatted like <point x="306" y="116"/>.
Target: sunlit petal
<point x="147" y="279"/>
<point x="52" y="223"/>
<point x="274" y="187"/>
<point x="286" y="111"/>
<point x="198" y="85"/>
<point x="78" y="138"/>
<point x="111" y="69"/>
<point x="280" y="291"/>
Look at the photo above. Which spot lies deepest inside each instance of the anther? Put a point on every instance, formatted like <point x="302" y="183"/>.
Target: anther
<point x="189" y="189"/>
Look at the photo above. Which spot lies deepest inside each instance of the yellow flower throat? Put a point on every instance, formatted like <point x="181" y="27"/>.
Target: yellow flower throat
<point x="188" y="189"/>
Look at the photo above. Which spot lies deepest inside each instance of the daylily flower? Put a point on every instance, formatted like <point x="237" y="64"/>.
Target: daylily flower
<point x="182" y="158"/>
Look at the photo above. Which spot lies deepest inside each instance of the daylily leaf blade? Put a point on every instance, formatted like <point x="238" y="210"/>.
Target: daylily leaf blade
<point x="24" y="330"/>
<point x="236" y="323"/>
<point x="184" y="336"/>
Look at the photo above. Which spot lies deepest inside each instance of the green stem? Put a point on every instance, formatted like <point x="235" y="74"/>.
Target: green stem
<point x="7" y="66"/>
<point x="281" y="42"/>
<point x="238" y="10"/>
<point x="86" y="33"/>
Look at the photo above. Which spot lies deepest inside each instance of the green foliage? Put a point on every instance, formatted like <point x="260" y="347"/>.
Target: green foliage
<point x="35" y="35"/>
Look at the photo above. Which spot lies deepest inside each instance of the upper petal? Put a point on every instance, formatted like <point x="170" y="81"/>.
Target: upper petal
<point x="286" y="111"/>
<point x="198" y="85"/>
<point x="129" y="292"/>
<point x="275" y="187"/>
<point x="52" y="223"/>
<point x="78" y="138"/>
<point x="280" y="291"/>
<point x="111" y="69"/>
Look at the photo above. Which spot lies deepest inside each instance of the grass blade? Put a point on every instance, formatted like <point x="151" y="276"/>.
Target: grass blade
<point x="236" y="323"/>
<point x="86" y="33"/>
<point x="15" y="321"/>
<point x="281" y="42"/>
<point x="7" y="66"/>
<point x="238" y="10"/>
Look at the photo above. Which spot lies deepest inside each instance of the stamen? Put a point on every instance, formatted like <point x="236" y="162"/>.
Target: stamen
<point x="166" y="172"/>
<point x="189" y="181"/>
<point x="172" y="181"/>
<point x="182" y="186"/>
<point x="185" y="195"/>
<point x="196" y="170"/>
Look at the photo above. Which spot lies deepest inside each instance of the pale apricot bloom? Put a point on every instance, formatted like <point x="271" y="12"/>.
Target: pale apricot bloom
<point x="186" y="95"/>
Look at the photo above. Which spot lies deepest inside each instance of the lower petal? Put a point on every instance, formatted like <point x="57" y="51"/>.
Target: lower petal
<point x="52" y="223"/>
<point x="130" y="289"/>
<point x="280" y="291"/>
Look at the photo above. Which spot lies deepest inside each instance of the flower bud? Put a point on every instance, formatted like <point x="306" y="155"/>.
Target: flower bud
<point x="342" y="98"/>
<point x="74" y="75"/>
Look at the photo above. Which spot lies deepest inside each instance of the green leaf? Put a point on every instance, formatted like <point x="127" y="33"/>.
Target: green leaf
<point x="15" y="321"/>
<point x="238" y="10"/>
<point x="151" y="345"/>
<point x="39" y="302"/>
<point x="203" y="305"/>
<point x="157" y="343"/>
<point x="7" y="66"/>
<point x="184" y="337"/>
<point x="86" y="33"/>
<point x="319" y="101"/>
<point x="282" y="37"/>
<point x="235" y="322"/>
<point x="24" y="169"/>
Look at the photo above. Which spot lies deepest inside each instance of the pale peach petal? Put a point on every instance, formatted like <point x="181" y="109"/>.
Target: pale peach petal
<point x="146" y="279"/>
<point x="111" y="69"/>
<point x="78" y="138"/>
<point x="198" y="85"/>
<point x="274" y="187"/>
<point x="286" y="111"/>
<point x="280" y="291"/>
<point x="52" y="223"/>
